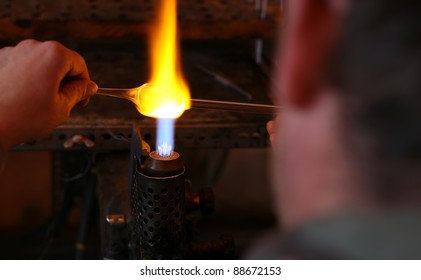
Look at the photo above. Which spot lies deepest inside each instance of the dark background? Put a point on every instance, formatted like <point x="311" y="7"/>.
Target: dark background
<point x="43" y="187"/>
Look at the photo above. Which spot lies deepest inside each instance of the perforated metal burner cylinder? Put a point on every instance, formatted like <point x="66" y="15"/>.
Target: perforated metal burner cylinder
<point x="158" y="205"/>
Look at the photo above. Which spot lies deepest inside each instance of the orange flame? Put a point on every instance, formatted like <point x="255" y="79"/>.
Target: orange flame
<point x="173" y="97"/>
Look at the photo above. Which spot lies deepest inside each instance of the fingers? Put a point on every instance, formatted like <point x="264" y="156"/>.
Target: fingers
<point x="4" y="50"/>
<point x="84" y="102"/>
<point x="271" y="128"/>
<point x="77" y="91"/>
<point x="71" y="63"/>
<point x="76" y="66"/>
<point x="2" y="158"/>
<point x="41" y="83"/>
<point x="75" y="84"/>
<point x="79" y="88"/>
<point x="55" y="59"/>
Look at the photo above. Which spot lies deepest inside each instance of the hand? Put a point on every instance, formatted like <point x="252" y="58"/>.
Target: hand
<point x="40" y="83"/>
<point x="2" y="158"/>
<point x="271" y="128"/>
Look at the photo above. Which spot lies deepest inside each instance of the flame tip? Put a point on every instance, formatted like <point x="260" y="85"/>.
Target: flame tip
<point x="169" y="95"/>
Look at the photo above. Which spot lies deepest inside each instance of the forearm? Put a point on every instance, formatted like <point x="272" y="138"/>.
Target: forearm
<point x="8" y="134"/>
<point x="16" y="125"/>
<point x="40" y="83"/>
<point x="3" y="154"/>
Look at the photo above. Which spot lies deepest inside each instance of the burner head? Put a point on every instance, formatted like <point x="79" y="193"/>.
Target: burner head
<point x="158" y="206"/>
<point x="162" y="166"/>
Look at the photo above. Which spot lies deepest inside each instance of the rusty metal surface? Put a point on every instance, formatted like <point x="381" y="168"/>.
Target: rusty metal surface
<point x="137" y="10"/>
<point x="88" y="19"/>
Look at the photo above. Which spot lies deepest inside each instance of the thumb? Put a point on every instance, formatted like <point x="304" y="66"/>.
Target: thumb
<point x="78" y="90"/>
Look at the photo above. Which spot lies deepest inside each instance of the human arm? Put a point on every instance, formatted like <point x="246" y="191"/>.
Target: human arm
<point x="271" y="128"/>
<point x="40" y="83"/>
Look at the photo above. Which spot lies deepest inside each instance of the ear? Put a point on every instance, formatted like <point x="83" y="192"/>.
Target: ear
<point x="308" y="39"/>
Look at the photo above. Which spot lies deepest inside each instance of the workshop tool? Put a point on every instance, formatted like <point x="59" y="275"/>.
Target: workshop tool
<point x="139" y="94"/>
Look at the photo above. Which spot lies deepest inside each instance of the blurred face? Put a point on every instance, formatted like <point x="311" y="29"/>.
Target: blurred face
<point x="308" y="164"/>
<point x="291" y="140"/>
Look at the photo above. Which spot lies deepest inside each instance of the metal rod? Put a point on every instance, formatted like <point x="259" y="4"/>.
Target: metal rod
<point x="235" y="106"/>
<point x="130" y="94"/>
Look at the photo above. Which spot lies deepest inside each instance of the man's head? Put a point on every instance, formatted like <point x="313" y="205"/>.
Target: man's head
<point x="349" y="136"/>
